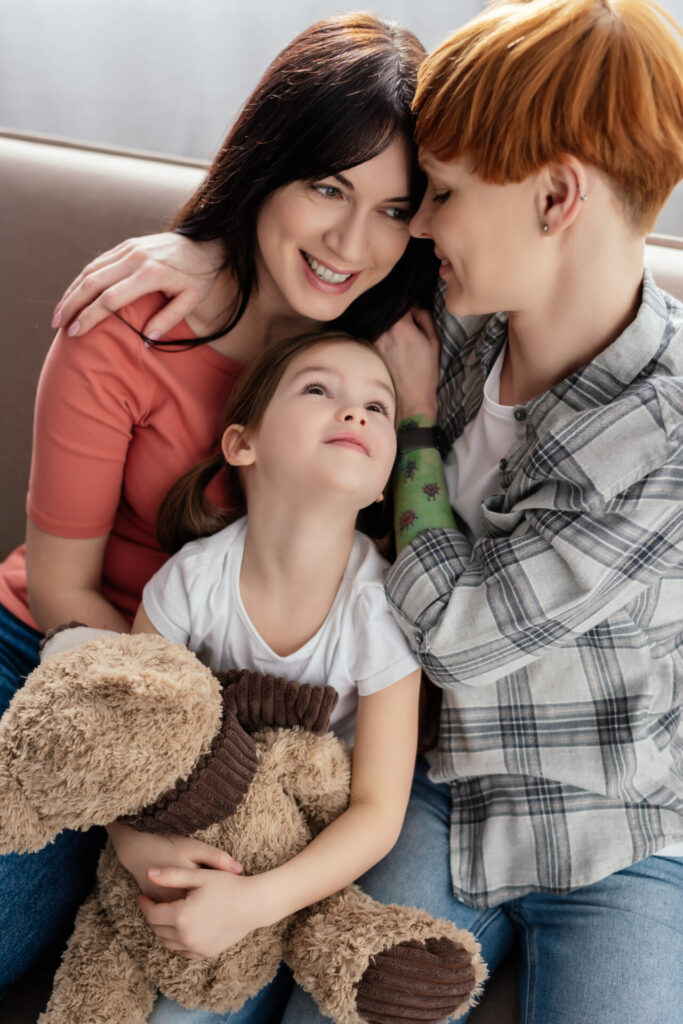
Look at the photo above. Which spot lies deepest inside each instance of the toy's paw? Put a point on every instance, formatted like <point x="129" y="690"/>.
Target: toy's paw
<point x="417" y="981"/>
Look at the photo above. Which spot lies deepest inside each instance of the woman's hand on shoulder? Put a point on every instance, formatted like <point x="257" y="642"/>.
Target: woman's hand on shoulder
<point x="140" y="851"/>
<point x="180" y="268"/>
<point x="411" y="349"/>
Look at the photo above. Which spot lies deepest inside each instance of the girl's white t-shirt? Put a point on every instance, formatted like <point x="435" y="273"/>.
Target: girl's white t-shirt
<point x="195" y="600"/>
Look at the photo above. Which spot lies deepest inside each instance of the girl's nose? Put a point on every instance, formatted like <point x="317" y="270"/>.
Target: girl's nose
<point x="421" y="223"/>
<point x="355" y="417"/>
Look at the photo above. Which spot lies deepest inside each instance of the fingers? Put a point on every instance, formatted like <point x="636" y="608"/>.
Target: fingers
<point x="66" y="308"/>
<point x="163" y="917"/>
<point x="180" y="268"/>
<point x="99" y="292"/>
<point x="176" y="878"/>
<point x="211" y="857"/>
<point x="164" y="920"/>
<point x="174" y="312"/>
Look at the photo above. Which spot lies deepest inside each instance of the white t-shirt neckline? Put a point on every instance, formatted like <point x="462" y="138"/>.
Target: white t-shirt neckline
<point x="267" y="650"/>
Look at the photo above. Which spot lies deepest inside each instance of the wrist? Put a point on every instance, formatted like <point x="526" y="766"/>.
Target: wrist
<point x="427" y="410"/>
<point x="418" y="419"/>
<point x="266" y="896"/>
<point x="419" y="432"/>
<point x="274" y="896"/>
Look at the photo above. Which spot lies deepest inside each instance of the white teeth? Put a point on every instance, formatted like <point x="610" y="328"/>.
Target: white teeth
<point x="324" y="273"/>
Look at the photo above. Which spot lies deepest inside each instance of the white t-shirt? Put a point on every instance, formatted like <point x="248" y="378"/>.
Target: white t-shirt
<point x="194" y="599"/>
<point x="471" y="467"/>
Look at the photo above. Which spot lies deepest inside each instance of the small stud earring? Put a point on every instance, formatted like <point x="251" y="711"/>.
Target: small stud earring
<point x="545" y="228"/>
<point x="582" y="196"/>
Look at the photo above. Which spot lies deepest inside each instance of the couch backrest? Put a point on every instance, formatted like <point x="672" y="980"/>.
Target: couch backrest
<point x="60" y="205"/>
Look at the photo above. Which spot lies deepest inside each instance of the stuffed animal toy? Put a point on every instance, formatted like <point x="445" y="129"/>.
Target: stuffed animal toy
<point x="135" y="727"/>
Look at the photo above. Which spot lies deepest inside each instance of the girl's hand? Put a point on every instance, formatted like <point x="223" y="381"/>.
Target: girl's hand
<point x="412" y="351"/>
<point x="218" y="910"/>
<point x="167" y="262"/>
<point x="138" y="851"/>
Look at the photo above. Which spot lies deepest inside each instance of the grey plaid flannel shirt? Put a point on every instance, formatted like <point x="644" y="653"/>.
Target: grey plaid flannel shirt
<point x="558" y="636"/>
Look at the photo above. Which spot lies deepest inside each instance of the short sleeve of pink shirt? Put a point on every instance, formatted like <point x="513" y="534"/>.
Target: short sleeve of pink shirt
<point x="116" y="424"/>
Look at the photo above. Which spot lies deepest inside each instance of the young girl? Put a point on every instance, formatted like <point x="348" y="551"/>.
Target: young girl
<point x="294" y="590"/>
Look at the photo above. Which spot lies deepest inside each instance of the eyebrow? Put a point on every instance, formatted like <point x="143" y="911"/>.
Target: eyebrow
<point x="349" y="185"/>
<point x="375" y="382"/>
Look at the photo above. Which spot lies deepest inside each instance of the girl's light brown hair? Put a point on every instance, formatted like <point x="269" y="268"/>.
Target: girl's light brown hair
<point x="186" y="512"/>
<point x="527" y="82"/>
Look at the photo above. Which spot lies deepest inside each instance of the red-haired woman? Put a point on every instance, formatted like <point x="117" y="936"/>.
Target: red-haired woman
<point x="539" y="496"/>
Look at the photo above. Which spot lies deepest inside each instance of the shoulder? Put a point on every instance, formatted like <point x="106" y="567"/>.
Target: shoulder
<point x="365" y="566"/>
<point x="114" y="345"/>
<point x="364" y="580"/>
<point x="208" y="554"/>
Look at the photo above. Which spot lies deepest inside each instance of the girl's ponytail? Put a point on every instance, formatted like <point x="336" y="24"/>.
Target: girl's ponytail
<point x="186" y="513"/>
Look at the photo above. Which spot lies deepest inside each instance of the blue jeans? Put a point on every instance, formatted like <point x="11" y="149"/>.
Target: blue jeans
<point x="39" y="892"/>
<point x="609" y="953"/>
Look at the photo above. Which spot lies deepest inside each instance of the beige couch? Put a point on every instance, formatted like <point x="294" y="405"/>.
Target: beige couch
<point x="60" y="205"/>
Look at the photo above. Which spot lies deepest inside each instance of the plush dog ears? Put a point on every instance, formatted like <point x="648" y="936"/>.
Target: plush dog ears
<point x="100" y="731"/>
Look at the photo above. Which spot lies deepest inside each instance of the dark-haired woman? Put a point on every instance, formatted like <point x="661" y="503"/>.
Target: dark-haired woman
<point x="308" y="205"/>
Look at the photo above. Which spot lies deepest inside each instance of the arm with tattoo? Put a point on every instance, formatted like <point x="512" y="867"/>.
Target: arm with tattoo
<point x="420" y="494"/>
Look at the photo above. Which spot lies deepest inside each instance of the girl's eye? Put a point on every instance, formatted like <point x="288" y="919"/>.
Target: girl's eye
<point x="378" y="407"/>
<point x="326" y="191"/>
<point x="314" y="389"/>
<point x="441" y="197"/>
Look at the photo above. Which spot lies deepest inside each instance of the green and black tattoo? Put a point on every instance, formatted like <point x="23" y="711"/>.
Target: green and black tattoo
<point x="420" y="493"/>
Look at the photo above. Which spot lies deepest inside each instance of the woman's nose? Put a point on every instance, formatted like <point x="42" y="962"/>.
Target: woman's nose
<point x="348" y="240"/>
<point x="421" y="223"/>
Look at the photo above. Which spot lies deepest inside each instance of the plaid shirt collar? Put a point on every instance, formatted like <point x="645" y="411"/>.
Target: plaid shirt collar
<point x="470" y="346"/>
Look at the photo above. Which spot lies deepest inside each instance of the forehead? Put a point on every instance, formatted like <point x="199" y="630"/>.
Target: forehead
<point x="385" y="176"/>
<point x="432" y="166"/>
<point x="341" y="358"/>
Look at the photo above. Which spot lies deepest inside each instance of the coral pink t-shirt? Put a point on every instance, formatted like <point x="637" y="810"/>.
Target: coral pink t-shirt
<point x="116" y="424"/>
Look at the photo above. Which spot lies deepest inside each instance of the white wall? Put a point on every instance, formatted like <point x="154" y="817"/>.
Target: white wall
<point x="165" y="75"/>
<point x="169" y="75"/>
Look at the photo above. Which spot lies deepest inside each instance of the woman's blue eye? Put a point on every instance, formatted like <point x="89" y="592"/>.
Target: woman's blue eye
<point x="326" y="191"/>
<point x="398" y="213"/>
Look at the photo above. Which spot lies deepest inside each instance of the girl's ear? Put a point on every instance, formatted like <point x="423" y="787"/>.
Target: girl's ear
<point x="562" y="194"/>
<point x="236" y="446"/>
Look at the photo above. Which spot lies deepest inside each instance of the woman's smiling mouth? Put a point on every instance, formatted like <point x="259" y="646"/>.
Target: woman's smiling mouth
<point x="322" y="274"/>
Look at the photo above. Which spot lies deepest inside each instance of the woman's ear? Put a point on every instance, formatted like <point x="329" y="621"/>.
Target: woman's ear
<point x="236" y="446"/>
<point x="563" y="191"/>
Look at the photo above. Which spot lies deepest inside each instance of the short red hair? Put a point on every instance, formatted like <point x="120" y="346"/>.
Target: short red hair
<point x="529" y="81"/>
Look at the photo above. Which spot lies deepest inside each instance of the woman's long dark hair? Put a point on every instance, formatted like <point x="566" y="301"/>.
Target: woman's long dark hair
<point x="336" y="97"/>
